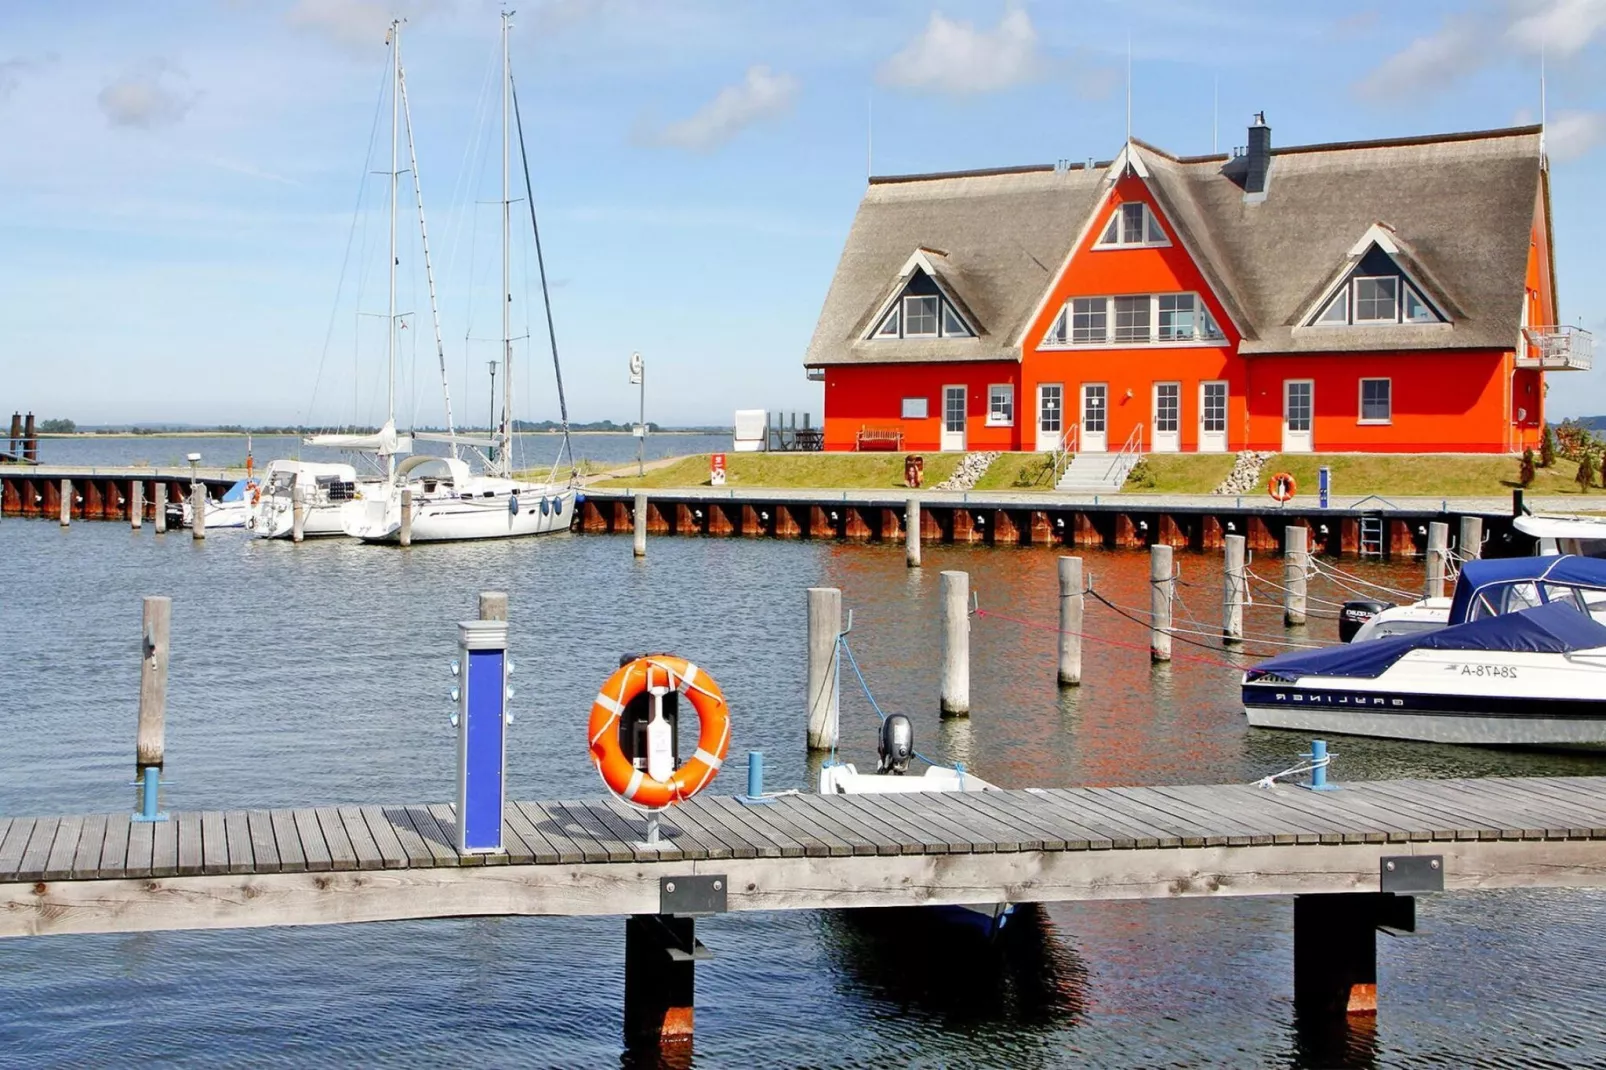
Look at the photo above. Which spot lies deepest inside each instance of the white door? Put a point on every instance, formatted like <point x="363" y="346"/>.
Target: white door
<point x="1167" y="417"/>
<point x="1299" y="397"/>
<point x="1050" y="415"/>
<point x="1094" y="413"/>
<point x="1213" y="417"/>
<point x="953" y="418"/>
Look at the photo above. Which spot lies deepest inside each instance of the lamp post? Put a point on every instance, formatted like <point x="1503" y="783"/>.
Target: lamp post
<point x="491" y="364"/>
<point x="638" y="376"/>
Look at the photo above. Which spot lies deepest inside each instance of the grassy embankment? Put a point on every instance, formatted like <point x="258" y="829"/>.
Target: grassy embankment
<point x="826" y="471"/>
<point x="1355" y="474"/>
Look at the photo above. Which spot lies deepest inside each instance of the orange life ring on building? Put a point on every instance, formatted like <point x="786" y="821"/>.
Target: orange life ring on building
<point x="713" y="731"/>
<point x="1282" y="487"/>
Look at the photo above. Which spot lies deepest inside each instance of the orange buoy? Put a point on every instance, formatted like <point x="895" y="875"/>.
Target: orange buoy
<point x="670" y="673"/>
<point x="1282" y="487"/>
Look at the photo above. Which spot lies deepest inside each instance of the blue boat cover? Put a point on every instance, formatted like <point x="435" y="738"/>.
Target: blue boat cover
<point x="1559" y="568"/>
<point x="1555" y="628"/>
<point x="234" y="493"/>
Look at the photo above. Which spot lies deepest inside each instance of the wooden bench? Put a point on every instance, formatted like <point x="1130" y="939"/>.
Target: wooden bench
<point x="880" y="438"/>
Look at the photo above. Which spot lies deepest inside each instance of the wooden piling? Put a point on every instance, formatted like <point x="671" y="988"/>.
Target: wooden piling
<point x="911" y="533"/>
<point x="198" y="510"/>
<point x="1296" y="558"/>
<point x="136" y="503"/>
<point x="66" y="502"/>
<point x="1234" y="589"/>
<point x="1471" y="544"/>
<point x="298" y="512"/>
<point x="149" y="748"/>
<point x="1071" y="606"/>
<point x="405" y="536"/>
<point x="1437" y="559"/>
<point x="159" y="496"/>
<point x="955" y="644"/>
<point x="639" y="546"/>
<point x="1161" y="584"/>
<point x="824" y="690"/>
<point x="493" y="605"/>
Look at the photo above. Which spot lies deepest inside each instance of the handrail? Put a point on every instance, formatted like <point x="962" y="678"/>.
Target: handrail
<point x="1133" y="448"/>
<point x="1065" y="450"/>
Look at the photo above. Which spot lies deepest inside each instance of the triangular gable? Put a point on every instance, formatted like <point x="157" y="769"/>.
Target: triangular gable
<point x="1380" y="251"/>
<point x="929" y="263"/>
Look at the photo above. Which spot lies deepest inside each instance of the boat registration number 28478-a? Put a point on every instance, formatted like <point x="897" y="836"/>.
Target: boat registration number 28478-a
<point x="1500" y="672"/>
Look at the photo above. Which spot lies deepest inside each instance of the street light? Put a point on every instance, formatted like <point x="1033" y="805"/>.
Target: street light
<point x="638" y="376"/>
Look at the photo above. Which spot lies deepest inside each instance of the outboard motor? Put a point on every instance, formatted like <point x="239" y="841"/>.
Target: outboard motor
<point x="1356" y="613"/>
<point x="897" y="744"/>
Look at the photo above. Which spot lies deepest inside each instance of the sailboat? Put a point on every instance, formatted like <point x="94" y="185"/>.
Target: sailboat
<point x="442" y="497"/>
<point x="326" y="491"/>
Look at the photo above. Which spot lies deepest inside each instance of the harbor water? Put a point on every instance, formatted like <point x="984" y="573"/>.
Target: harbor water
<point x="318" y="674"/>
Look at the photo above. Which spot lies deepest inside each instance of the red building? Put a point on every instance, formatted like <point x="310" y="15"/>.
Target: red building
<point x="1393" y="296"/>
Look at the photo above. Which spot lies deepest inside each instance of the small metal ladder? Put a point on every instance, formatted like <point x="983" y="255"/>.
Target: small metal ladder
<point x="1372" y="535"/>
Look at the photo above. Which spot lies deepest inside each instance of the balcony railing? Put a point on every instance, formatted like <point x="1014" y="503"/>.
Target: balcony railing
<point x="1561" y="348"/>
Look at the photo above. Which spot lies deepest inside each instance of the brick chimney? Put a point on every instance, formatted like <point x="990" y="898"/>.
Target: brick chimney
<point x="1259" y="156"/>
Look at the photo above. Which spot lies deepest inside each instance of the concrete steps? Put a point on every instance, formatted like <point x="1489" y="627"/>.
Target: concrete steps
<point x="1096" y="473"/>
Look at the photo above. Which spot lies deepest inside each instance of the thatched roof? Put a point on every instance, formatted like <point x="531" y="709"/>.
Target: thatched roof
<point x="1460" y="207"/>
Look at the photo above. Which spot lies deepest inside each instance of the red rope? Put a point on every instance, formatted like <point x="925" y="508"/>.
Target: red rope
<point x="1110" y="642"/>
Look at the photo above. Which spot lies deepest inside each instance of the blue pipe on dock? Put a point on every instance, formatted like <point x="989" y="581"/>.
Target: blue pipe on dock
<point x="755" y="774"/>
<point x="149" y="784"/>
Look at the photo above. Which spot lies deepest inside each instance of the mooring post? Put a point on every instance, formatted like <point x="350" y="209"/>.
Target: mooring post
<point x="661" y="952"/>
<point x="493" y="605"/>
<point x="149" y="746"/>
<point x="1234" y="589"/>
<point x="298" y="511"/>
<point x="1071" y="606"/>
<point x="824" y="686"/>
<point x="66" y="502"/>
<point x="159" y="496"/>
<point x="136" y="503"/>
<point x="198" y="510"/>
<point x="755" y="774"/>
<point x="1161" y="593"/>
<point x="1296" y="562"/>
<point x="955" y="644"/>
<point x="1471" y="545"/>
<point x="1437" y="559"/>
<point x="639" y="547"/>
<point x="911" y="532"/>
<point x="405" y="536"/>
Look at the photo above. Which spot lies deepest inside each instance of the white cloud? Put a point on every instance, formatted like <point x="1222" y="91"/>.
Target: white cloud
<point x="760" y="95"/>
<point x="1571" y="134"/>
<point x="155" y="94"/>
<point x="1431" y="62"/>
<point x="955" y="57"/>
<point x="1561" y="27"/>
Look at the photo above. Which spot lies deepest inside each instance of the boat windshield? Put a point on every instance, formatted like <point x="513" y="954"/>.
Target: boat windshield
<point x="1494" y="588"/>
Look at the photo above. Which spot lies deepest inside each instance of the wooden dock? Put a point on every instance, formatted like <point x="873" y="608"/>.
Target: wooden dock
<point x="1352" y="857"/>
<point x="99" y="492"/>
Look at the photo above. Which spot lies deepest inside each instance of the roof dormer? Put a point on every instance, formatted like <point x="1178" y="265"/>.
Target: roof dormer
<point x="922" y="304"/>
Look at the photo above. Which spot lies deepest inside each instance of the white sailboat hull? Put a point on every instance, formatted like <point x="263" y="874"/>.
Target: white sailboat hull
<point x="275" y="518"/>
<point x="541" y="510"/>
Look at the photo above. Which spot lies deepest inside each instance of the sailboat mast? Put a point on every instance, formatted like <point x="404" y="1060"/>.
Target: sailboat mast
<point x="506" y="436"/>
<point x="390" y="339"/>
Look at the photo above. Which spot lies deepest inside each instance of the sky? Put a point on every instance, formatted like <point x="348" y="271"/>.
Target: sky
<point x="193" y="230"/>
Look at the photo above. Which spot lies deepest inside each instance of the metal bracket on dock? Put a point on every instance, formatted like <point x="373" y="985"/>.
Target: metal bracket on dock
<point x="1409" y="874"/>
<point x="692" y="894"/>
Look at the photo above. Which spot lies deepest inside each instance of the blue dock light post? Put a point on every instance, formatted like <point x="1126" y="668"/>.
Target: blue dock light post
<point x="482" y="720"/>
<point x="1324" y="483"/>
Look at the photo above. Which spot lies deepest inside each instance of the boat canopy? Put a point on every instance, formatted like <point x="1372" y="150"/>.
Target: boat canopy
<point x="237" y="492"/>
<point x="1504" y="584"/>
<point x="1555" y="628"/>
<point x="424" y="466"/>
<point x="385" y="441"/>
<point x="344" y="473"/>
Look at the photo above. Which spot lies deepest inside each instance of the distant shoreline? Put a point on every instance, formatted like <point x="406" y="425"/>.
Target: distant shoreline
<point x="295" y="434"/>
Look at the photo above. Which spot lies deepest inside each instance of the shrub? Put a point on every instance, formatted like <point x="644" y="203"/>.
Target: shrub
<point x="1573" y="439"/>
<point x="1586" y="472"/>
<point x="1141" y="477"/>
<point x="1547" y="448"/>
<point x="1525" y="470"/>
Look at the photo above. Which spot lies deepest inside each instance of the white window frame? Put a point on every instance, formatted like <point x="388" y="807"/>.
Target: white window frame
<point x="897" y="312"/>
<point x="1360" y="401"/>
<point x="916" y="409"/>
<point x="1204" y="405"/>
<point x="1355" y="299"/>
<point x="1405" y="290"/>
<point x="1006" y="391"/>
<point x="1062" y="332"/>
<point x="936" y="316"/>
<point x="1151" y="223"/>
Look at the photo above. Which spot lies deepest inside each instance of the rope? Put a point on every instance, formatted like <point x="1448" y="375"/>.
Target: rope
<point x="1269" y="780"/>
<point x="1339" y="577"/>
<point x="1217" y="662"/>
<point x="842" y="645"/>
<point x="1137" y="617"/>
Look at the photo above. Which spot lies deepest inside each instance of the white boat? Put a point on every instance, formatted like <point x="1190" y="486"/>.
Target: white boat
<point x="449" y="501"/>
<point x="896" y="747"/>
<point x="326" y="491"/>
<point x="1421" y="616"/>
<point x="1566" y="534"/>
<point x="231" y="510"/>
<point x="1522" y="662"/>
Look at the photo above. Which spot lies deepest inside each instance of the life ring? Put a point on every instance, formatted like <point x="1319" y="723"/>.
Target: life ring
<point x="256" y="494"/>
<point x="713" y="731"/>
<point x="1281" y="487"/>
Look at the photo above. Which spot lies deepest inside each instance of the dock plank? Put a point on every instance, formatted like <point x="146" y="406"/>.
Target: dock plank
<point x="237" y="833"/>
<point x="264" y="844"/>
<point x="554" y="849"/>
<point x="771" y="841"/>
<point x="915" y="838"/>
<point x="549" y="828"/>
<point x="1023" y="812"/>
<point x="1370" y="821"/>
<point x="442" y="847"/>
<point x="720" y="841"/>
<point x="1242" y="829"/>
<point x="552" y="820"/>
<point x="813" y="809"/>
<point x="741" y="842"/>
<point x="343" y="848"/>
<point x="386" y="838"/>
<point x="164" y="848"/>
<point x="1589" y="814"/>
<point x="956" y="839"/>
<point x="619" y="845"/>
<point x="1000" y="837"/>
<point x="1193" y="831"/>
<point x="114" y="848"/>
<point x="1082" y="805"/>
<point x="1492" y="799"/>
<point x="314" y="846"/>
<point x="818" y="841"/>
<point x="1070" y="827"/>
<point x="1465" y="820"/>
<point x="141" y="841"/>
<point x="683" y="839"/>
<point x="292" y="859"/>
<point x="214" y="843"/>
<point x="86" y="859"/>
<point x="58" y="863"/>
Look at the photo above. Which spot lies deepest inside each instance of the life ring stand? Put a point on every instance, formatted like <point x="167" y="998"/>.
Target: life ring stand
<point x="1281" y="487"/>
<point x="633" y="785"/>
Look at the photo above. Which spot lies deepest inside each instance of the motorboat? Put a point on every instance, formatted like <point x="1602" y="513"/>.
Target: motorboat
<point x="448" y="502"/>
<point x="1566" y="533"/>
<point x="1366" y="619"/>
<point x="895" y="749"/>
<point x="326" y="491"/>
<point x="231" y="510"/>
<point x="1521" y="662"/>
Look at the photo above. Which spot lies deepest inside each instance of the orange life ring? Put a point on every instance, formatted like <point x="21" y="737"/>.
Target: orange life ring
<point x="1282" y="487"/>
<point x="713" y="730"/>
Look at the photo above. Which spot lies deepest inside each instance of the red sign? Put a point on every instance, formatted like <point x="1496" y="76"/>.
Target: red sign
<point x="716" y="470"/>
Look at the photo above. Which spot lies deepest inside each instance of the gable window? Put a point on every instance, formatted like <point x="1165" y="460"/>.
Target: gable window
<point x="1376" y="291"/>
<point x="1337" y="310"/>
<point x="1416" y="309"/>
<point x="1133" y="319"/>
<point x="920" y="317"/>
<point x="1133" y="223"/>
<point x="926" y="314"/>
<point x="891" y="325"/>
<point x="1000" y="405"/>
<point x="1377" y="402"/>
<point x="1377" y="299"/>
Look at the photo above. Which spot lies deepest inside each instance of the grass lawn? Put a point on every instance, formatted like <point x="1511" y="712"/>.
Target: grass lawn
<point x="1019" y="471"/>
<point x="1416" y="475"/>
<point x="847" y="471"/>
<point x="1179" y="473"/>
